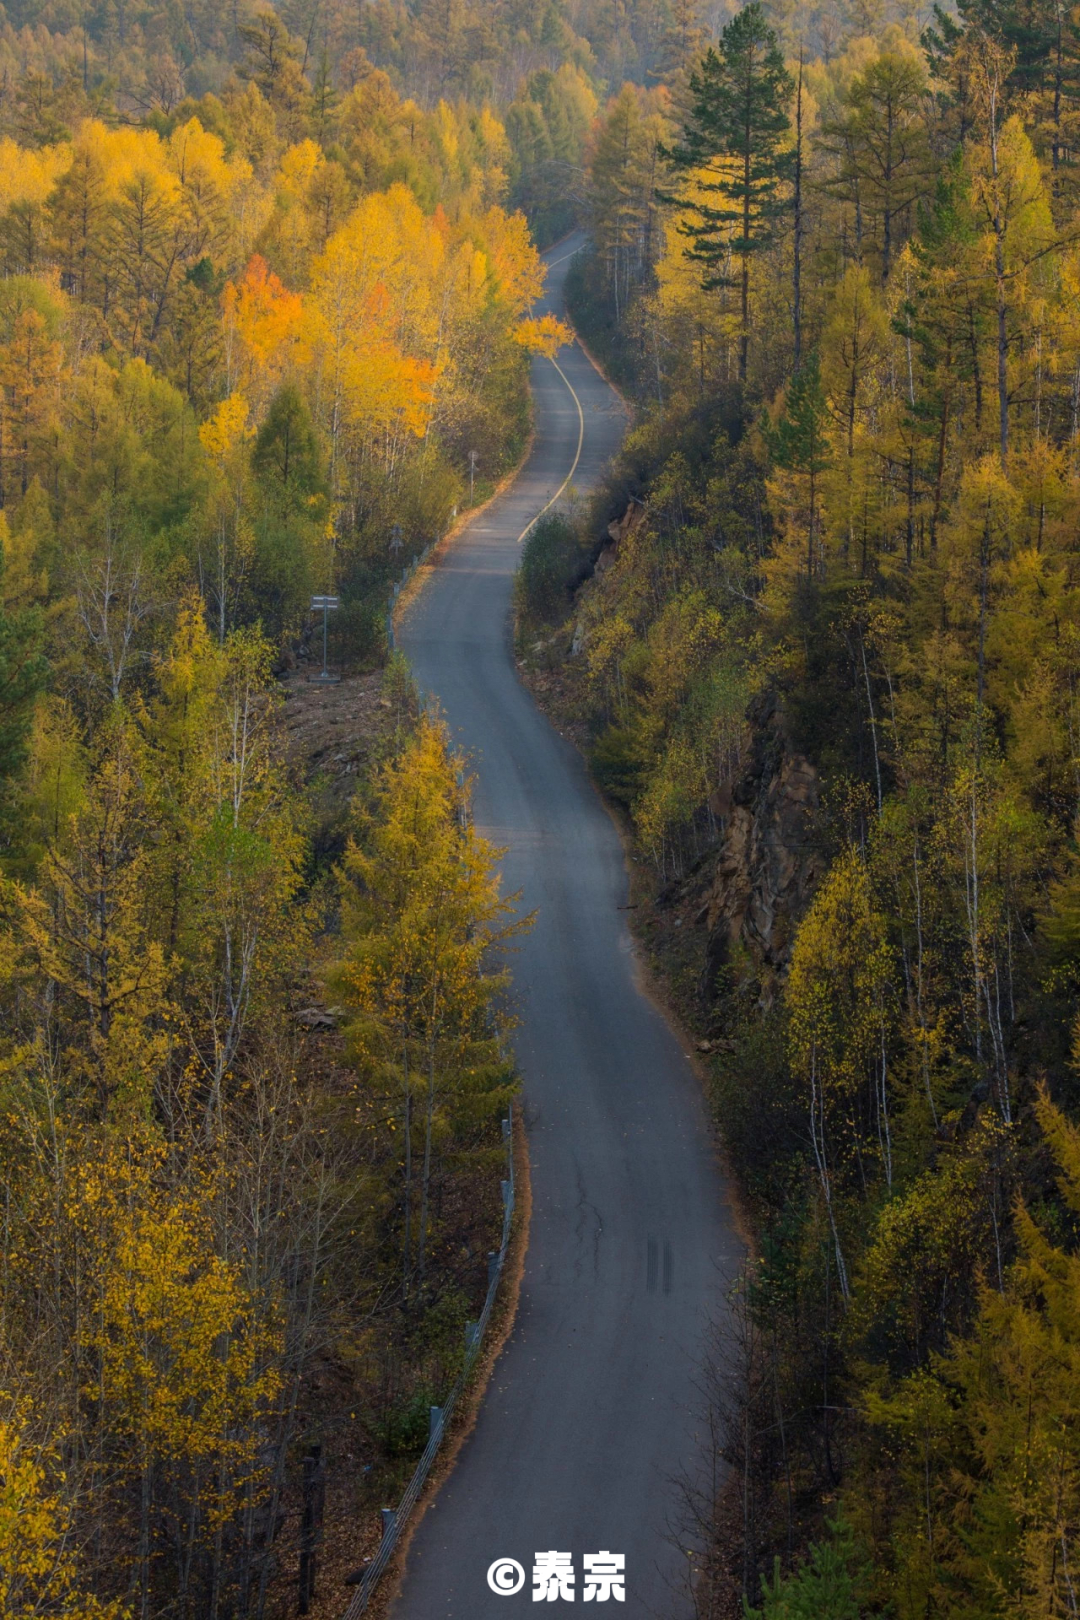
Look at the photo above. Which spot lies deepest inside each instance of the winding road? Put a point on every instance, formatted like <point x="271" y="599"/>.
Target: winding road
<point x="592" y="1410"/>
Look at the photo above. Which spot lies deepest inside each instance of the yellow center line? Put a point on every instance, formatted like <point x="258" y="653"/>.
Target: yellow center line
<point x="577" y="454"/>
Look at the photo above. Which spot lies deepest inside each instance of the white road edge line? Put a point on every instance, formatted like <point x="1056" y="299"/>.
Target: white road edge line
<point x="577" y="453"/>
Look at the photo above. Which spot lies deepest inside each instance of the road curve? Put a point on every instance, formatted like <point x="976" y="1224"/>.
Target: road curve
<point x="591" y="1411"/>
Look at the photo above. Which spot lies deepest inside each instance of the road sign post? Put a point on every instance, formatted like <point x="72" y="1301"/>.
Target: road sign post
<point x="327" y="605"/>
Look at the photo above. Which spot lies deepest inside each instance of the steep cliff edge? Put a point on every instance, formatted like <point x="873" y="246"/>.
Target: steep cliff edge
<point x="753" y="887"/>
<point x="727" y="925"/>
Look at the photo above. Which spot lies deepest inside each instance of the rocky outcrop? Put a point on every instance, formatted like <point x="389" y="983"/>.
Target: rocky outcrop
<point x="767" y="865"/>
<point x="606" y="558"/>
<point x="617" y="533"/>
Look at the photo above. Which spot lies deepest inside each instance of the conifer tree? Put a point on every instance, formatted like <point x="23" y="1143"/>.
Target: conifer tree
<point x="286" y="454"/>
<point x="22" y="676"/>
<point x="825" y="1587"/>
<point x="882" y="147"/>
<point x="732" y="146"/>
<point x="799" y="441"/>
<point x="623" y="189"/>
<point x="423" y="911"/>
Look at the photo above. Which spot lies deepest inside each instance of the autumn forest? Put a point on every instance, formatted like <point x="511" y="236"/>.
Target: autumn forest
<point x="266" y="328"/>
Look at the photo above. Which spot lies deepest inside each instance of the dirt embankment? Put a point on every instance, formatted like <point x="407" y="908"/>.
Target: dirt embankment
<point x="331" y="731"/>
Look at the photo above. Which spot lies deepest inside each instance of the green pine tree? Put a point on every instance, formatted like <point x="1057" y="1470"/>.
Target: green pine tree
<point x="740" y="94"/>
<point x="291" y="558"/>
<point x="825" y="1587"/>
<point x="286" y="456"/>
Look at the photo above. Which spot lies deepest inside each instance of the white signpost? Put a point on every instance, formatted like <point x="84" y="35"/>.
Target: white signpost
<point x="327" y="605"/>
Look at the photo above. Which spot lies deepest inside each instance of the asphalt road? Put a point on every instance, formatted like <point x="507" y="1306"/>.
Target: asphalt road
<point x="592" y="1411"/>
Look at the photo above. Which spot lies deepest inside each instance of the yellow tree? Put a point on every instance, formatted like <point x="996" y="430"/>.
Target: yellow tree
<point x="517" y="270"/>
<point x="853" y="344"/>
<point x="226" y="438"/>
<point x="265" y="332"/>
<point x="423" y="917"/>
<point x="376" y="297"/>
<point x="31" y="368"/>
<point x="229" y="850"/>
<point x="544" y="335"/>
<point x="839" y="1006"/>
<point x="1012" y="209"/>
<point x="87" y="928"/>
<point x="39" y="1574"/>
<point x="178" y="729"/>
<point x="183" y="1359"/>
<point x="990" y="1433"/>
<point x="286" y="240"/>
<point x="699" y="329"/>
<point x="975" y="545"/>
<point x="79" y="217"/>
<point x="624" y="172"/>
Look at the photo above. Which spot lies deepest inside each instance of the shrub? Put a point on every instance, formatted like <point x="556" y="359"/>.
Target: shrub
<point x="618" y="762"/>
<point x="553" y="564"/>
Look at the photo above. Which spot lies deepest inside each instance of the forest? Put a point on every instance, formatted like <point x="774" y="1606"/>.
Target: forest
<point x="254" y="345"/>
<point x="264" y="333"/>
<point x="820" y="637"/>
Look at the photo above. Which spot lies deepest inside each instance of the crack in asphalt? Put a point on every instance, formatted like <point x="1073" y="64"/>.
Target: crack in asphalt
<point x="586" y="1207"/>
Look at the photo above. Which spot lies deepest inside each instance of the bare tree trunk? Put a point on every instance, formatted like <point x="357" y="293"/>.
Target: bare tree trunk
<point x="873" y="721"/>
<point x="817" y="1139"/>
<point x="428" y="1127"/>
<point x="796" y="267"/>
<point x="999" y="280"/>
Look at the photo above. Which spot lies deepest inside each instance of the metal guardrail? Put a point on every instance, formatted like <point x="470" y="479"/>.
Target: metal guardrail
<point x="399" y="585"/>
<point x="395" y="1520"/>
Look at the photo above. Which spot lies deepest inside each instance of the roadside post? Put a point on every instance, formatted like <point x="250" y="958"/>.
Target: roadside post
<point x="327" y="605"/>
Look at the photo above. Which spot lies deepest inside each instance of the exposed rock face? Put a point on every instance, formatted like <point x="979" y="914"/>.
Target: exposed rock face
<point x="617" y="533"/>
<point x="606" y="558"/>
<point x="767" y="866"/>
